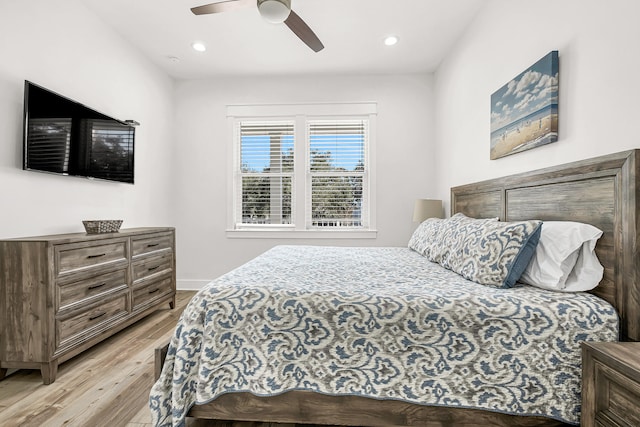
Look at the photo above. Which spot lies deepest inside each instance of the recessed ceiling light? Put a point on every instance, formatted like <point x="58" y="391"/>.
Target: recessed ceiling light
<point x="391" y="40"/>
<point x="198" y="46"/>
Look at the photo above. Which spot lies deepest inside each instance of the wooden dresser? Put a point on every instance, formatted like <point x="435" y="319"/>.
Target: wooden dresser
<point x="610" y="384"/>
<point x="62" y="294"/>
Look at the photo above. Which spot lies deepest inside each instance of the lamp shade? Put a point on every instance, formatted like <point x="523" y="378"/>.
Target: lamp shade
<point x="274" y="11"/>
<point x="427" y="208"/>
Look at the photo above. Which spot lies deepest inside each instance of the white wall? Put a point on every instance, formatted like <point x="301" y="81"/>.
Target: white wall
<point x="61" y="45"/>
<point x="405" y="165"/>
<point x="599" y="54"/>
<point x="181" y="146"/>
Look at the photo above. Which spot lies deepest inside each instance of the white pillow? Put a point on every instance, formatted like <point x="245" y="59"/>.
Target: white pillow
<point x="588" y="271"/>
<point x="565" y="259"/>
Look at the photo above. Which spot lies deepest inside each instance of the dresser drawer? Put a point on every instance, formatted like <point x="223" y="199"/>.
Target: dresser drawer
<point x="143" y="268"/>
<point x="77" y="257"/>
<point x="75" y="294"/>
<point x="79" y="326"/>
<point x="151" y="243"/>
<point x="152" y="291"/>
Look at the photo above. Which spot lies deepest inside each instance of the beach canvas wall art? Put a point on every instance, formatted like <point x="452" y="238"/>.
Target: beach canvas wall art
<point x="524" y="112"/>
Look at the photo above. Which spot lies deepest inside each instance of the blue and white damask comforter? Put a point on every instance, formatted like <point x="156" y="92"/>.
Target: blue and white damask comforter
<point x="383" y="323"/>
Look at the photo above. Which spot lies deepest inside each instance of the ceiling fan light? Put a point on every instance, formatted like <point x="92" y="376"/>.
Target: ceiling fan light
<point x="199" y="46"/>
<point x="390" y="40"/>
<point x="274" y="11"/>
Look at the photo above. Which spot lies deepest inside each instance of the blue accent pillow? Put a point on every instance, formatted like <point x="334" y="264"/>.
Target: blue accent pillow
<point x="523" y="258"/>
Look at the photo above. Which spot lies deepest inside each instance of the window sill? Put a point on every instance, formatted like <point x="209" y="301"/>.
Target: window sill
<point x="302" y="234"/>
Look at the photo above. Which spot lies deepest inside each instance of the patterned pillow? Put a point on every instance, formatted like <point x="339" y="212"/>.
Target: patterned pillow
<point x="486" y="251"/>
<point x="452" y="237"/>
<point x="422" y="240"/>
<point x="433" y="235"/>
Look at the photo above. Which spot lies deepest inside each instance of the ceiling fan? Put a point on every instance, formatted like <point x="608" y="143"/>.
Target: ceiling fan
<point x="274" y="11"/>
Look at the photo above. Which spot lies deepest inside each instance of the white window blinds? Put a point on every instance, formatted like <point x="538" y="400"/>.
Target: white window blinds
<point x="337" y="166"/>
<point x="266" y="172"/>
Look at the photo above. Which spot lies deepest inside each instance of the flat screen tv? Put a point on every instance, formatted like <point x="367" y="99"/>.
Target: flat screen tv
<point x="64" y="137"/>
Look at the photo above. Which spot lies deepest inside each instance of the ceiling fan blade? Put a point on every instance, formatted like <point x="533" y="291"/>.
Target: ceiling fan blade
<point x="222" y="6"/>
<point x="302" y="30"/>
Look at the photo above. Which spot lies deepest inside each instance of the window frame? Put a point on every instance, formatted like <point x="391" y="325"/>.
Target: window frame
<point x="310" y="175"/>
<point x="240" y="175"/>
<point x="300" y="114"/>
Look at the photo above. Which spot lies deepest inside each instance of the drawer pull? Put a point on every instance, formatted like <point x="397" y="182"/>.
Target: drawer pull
<point x="95" y="316"/>
<point x="154" y="291"/>
<point x="95" y="256"/>
<point x="153" y="268"/>
<point x="152" y="245"/>
<point x="96" y="286"/>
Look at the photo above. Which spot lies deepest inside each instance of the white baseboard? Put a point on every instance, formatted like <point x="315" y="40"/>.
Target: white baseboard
<point x="191" y="285"/>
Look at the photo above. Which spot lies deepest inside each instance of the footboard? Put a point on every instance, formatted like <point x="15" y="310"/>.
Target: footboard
<point x="160" y="354"/>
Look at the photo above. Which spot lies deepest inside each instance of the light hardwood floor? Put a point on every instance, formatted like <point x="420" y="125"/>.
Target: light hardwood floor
<point x="107" y="385"/>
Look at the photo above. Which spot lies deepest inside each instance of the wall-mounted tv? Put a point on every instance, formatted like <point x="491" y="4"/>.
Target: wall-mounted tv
<point x="62" y="136"/>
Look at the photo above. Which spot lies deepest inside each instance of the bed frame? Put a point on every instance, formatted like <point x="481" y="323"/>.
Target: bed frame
<point x="602" y="191"/>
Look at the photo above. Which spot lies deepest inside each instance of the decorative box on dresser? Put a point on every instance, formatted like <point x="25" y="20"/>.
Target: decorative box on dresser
<point x="62" y="294"/>
<point x="610" y="384"/>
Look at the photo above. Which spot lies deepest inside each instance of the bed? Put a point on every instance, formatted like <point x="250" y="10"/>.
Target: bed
<point x="248" y="383"/>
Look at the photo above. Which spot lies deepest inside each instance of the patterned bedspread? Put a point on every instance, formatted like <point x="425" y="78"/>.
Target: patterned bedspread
<point x="383" y="323"/>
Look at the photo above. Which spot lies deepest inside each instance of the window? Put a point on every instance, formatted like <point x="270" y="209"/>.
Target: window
<point x="337" y="168"/>
<point x="266" y="173"/>
<point x="304" y="173"/>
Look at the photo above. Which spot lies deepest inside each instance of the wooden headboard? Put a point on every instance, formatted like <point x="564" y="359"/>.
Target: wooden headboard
<point x="602" y="191"/>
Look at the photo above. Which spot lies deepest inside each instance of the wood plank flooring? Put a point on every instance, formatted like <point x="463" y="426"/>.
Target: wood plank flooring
<point x="107" y="385"/>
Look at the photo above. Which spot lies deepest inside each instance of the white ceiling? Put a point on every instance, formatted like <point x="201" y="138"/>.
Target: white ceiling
<point x="240" y="42"/>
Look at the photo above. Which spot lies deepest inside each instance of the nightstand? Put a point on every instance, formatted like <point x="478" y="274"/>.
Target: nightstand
<point x="610" y="384"/>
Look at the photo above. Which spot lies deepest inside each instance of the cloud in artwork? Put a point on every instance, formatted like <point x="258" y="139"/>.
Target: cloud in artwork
<point x="544" y="80"/>
<point x="548" y="88"/>
<point x="529" y="80"/>
<point x="510" y="88"/>
<point x="524" y="103"/>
